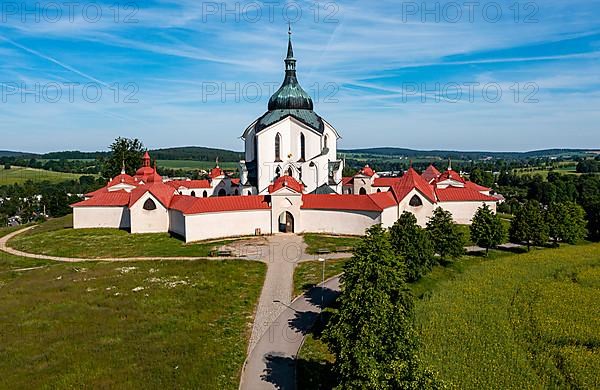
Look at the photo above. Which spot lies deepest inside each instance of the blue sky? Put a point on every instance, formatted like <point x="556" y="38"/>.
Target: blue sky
<point x="386" y="73"/>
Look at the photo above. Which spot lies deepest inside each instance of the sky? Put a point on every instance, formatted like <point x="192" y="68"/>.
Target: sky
<point x="473" y="75"/>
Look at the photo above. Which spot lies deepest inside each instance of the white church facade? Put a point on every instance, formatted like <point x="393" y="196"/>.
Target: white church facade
<point x="289" y="181"/>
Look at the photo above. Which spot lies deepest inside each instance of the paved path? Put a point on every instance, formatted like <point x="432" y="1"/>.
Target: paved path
<point x="272" y="363"/>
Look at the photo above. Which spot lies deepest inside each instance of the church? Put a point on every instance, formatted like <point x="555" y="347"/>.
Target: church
<point x="290" y="181"/>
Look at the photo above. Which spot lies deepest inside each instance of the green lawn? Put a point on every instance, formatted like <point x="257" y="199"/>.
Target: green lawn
<point x="19" y="175"/>
<point x="57" y="238"/>
<point x="189" y="164"/>
<point x="310" y="273"/>
<point x="155" y="325"/>
<point x="510" y="321"/>
<point x="330" y="243"/>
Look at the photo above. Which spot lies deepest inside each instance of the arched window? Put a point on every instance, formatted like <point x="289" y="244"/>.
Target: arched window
<point x="302" y="147"/>
<point x="222" y="192"/>
<point x="149" y="205"/>
<point x="415" y="201"/>
<point x="289" y="171"/>
<point x="325" y="142"/>
<point x="193" y="193"/>
<point x="278" y="147"/>
<point x="362" y="191"/>
<point x="237" y="192"/>
<point x="379" y="190"/>
<point x="277" y="172"/>
<point x="204" y="194"/>
<point x="249" y="192"/>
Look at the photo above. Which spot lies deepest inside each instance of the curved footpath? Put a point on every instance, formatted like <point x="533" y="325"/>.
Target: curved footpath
<point x="272" y="362"/>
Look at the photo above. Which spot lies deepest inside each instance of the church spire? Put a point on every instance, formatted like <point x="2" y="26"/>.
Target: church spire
<point x="290" y="61"/>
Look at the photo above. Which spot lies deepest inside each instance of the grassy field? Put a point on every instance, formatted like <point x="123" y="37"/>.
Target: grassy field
<point x="58" y="238"/>
<point x="318" y="242"/>
<point x="19" y="175"/>
<point x="511" y="321"/>
<point x="189" y="164"/>
<point x="310" y="273"/>
<point x="164" y="324"/>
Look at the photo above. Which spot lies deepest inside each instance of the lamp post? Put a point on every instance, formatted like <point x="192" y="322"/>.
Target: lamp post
<point x="322" y="260"/>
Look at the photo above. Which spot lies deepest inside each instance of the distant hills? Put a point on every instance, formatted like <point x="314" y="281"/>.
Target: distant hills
<point x="198" y="153"/>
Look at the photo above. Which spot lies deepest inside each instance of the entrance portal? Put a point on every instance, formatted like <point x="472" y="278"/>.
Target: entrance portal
<point x="286" y="222"/>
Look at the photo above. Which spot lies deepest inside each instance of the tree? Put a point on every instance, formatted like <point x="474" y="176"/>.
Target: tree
<point x="413" y="243"/>
<point x="593" y="217"/>
<point x="123" y="150"/>
<point x="447" y="240"/>
<point x="529" y="226"/>
<point x="486" y="229"/>
<point x="7" y="166"/>
<point x="372" y="334"/>
<point x="566" y="222"/>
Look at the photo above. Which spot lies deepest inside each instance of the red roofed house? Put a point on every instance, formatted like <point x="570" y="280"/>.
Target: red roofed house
<point x="290" y="181"/>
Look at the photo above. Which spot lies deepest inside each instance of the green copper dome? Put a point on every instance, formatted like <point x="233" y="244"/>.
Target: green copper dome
<point x="290" y="96"/>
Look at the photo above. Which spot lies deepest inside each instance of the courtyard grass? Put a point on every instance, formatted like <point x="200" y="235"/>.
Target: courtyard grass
<point x="154" y="325"/>
<point x="19" y="175"/>
<point x="317" y="242"/>
<point x="56" y="237"/>
<point x="508" y="321"/>
<point x="310" y="273"/>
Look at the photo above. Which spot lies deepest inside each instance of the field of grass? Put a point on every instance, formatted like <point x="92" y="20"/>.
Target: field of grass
<point x="189" y="164"/>
<point x="57" y="238"/>
<point x="521" y="321"/>
<point x="19" y="175"/>
<point x="163" y="324"/>
<point x="318" y="242"/>
<point x="510" y="321"/>
<point x="310" y="273"/>
<point x="542" y="171"/>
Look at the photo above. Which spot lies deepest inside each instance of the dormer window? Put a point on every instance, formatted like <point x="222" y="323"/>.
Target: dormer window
<point x="415" y="201"/>
<point x="149" y="205"/>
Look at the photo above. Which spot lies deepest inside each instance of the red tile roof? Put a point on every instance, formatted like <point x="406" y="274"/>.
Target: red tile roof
<point x="216" y="172"/>
<point x="122" y="178"/>
<point x="412" y="180"/>
<point x="102" y="190"/>
<point x="430" y="173"/>
<point x="347" y="181"/>
<point x="189" y="183"/>
<point x="159" y="190"/>
<point x="454" y="194"/>
<point x="107" y="199"/>
<point x="385" y="181"/>
<point x="372" y="202"/>
<point x="192" y="205"/>
<point x="235" y="181"/>
<point x="286" y="181"/>
<point x="474" y="186"/>
<point x="367" y="171"/>
<point x="450" y="174"/>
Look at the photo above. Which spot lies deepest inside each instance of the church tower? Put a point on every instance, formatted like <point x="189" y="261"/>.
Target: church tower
<point x="290" y="139"/>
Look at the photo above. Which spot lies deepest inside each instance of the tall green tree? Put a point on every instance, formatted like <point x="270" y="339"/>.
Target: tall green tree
<point x="529" y="226"/>
<point x="372" y="334"/>
<point x="593" y="217"/>
<point x="123" y="150"/>
<point x="566" y="222"/>
<point x="414" y="245"/>
<point x="486" y="229"/>
<point x="448" y="241"/>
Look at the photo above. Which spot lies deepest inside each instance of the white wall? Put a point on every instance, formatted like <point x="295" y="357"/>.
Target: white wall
<point x="463" y="212"/>
<point x="338" y="221"/>
<point x="422" y="213"/>
<point x="101" y="217"/>
<point x="149" y="221"/>
<point x="226" y="224"/>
